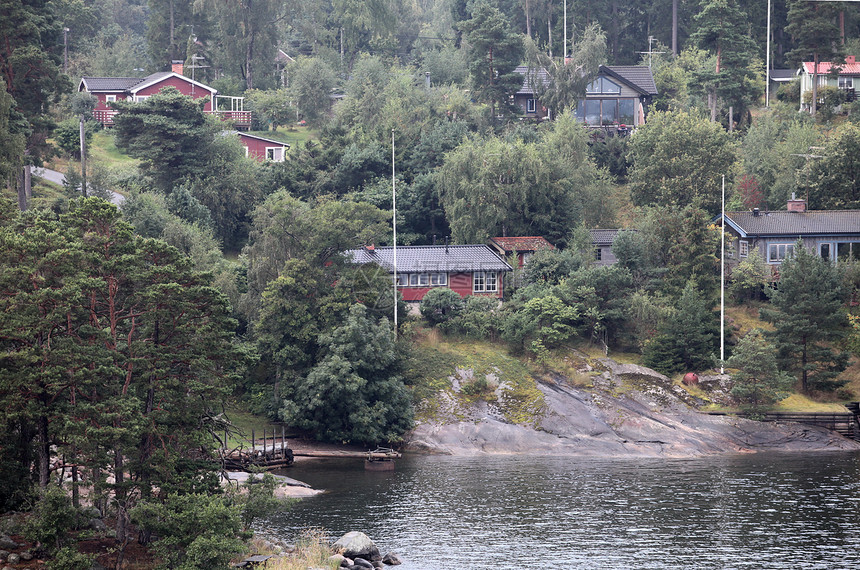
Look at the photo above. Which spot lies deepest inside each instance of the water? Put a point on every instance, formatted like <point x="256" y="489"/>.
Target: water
<point x="477" y="513"/>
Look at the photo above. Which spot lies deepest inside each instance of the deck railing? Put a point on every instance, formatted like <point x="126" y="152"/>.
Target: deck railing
<point x="240" y="119"/>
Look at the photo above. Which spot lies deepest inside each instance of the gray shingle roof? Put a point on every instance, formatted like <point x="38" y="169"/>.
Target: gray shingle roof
<point x="539" y="74"/>
<point x="604" y="237"/>
<point x="110" y="83"/>
<point x="432" y="258"/>
<point x="793" y="224"/>
<point x="638" y="76"/>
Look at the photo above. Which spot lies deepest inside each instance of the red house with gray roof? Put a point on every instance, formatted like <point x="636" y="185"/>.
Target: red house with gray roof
<point x="465" y="269"/>
<point x="109" y="89"/>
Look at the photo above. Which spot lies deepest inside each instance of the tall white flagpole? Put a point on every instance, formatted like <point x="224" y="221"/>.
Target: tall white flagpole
<point x="394" y="225"/>
<point x="767" y="62"/>
<point x="723" y="281"/>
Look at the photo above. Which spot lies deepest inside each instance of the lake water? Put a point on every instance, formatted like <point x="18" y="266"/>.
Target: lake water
<point x="477" y="513"/>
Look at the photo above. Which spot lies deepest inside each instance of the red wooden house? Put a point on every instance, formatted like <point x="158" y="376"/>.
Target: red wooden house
<point x="261" y="148"/>
<point x="465" y="269"/>
<point x="523" y="247"/>
<point x="108" y="89"/>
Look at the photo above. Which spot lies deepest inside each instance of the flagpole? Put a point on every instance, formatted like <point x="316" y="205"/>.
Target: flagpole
<point x="394" y="225"/>
<point x="723" y="280"/>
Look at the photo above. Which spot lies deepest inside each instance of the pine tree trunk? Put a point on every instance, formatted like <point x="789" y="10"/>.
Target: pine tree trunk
<point x="83" y="159"/>
<point x="674" y="27"/>
<point x="44" y="450"/>
<point x="814" y="107"/>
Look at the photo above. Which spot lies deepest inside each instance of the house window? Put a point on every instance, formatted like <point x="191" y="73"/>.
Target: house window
<point x="140" y="98"/>
<point x="824" y="250"/>
<point x="438" y="279"/>
<point x="602" y="85"/>
<point x="847" y="251"/>
<point x="627" y="111"/>
<point x="598" y="253"/>
<point x="778" y="252"/>
<point x="275" y="153"/>
<point x="531" y="106"/>
<point x="846" y="83"/>
<point x="419" y="280"/>
<point x="109" y="98"/>
<point x="743" y="248"/>
<point x="402" y="280"/>
<point x="485" y="282"/>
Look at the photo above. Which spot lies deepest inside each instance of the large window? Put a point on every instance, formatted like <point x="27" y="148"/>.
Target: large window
<point x="275" y="153"/>
<point x="778" y="252"/>
<point x="846" y="83"/>
<point x="847" y="251"/>
<point x="604" y="112"/>
<point x="743" y="248"/>
<point x="530" y="106"/>
<point x="602" y="85"/>
<point x="485" y="282"/>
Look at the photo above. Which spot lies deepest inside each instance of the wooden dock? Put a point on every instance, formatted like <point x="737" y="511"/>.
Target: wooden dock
<point x="273" y="453"/>
<point x="844" y="423"/>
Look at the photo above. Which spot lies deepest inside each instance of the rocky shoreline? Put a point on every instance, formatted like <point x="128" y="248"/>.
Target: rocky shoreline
<point x="626" y="411"/>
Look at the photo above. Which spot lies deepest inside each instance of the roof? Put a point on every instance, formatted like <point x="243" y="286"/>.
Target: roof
<point x="259" y="138"/>
<point x="108" y="83"/>
<point x="517" y="244"/>
<point x="605" y="237"/>
<point x="637" y="76"/>
<point x="782" y="74"/>
<point x="429" y="258"/>
<point x="782" y="223"/>
<point x="539" y="74"/>
<point x="133" y="84"/>
<point x="824" y="68"/>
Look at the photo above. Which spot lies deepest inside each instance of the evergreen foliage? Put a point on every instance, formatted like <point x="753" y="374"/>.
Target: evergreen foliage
<point x="354" y="394"/>
<point x="807" y="310"/>
<point x="758" y="382"/>
<point x="440" y="305"/>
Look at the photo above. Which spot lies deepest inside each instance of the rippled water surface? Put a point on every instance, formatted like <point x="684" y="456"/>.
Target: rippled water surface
<point x="455" y="513"/>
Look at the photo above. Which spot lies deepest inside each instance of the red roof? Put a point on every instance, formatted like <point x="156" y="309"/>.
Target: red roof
<point x="530" y="243"/>
<point x="851" y="67"/>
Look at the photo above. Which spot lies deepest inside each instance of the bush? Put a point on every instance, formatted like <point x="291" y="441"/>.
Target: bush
<point x="67" y="558"/>
<point x="441" y="304"/>
<point x="195" y="531"/>
<point x="53" y="518"/>
<point x="480" y="319"/>
<point x="789" y="92"/>
<point x="829" y="99"/>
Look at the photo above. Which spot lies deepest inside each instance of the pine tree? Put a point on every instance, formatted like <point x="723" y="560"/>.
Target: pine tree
<point x="813" y="28"/>
<point x="808" y="314"/>
<point x="758" y="383"/>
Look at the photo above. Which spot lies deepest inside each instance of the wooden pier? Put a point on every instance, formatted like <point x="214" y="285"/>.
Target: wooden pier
<point x="258" y="456"/>
<point x="274" y="453"/>
<point x="844" y="423"/>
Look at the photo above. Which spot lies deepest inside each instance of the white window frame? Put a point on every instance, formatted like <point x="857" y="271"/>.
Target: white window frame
<point x="485" y="282"/>
<point x="531" y="105"/>
<point x="782" y="251"/>
<point x="141" y="98"/>
<point x="598" y="253"/>
<point x="402" y="280"/>
<point x="419" y="280"/>
<point x="110" y="98"/>
<point x="276" y="156"/>
<point x="743" y="248"/>
<point x="831" y="255"/>
<point x="438" y="279"/>
<point x="846" y="82"/>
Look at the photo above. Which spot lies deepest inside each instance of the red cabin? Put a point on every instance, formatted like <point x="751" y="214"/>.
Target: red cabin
<point x="465" y="269"/>
<point x="108" y="89"/>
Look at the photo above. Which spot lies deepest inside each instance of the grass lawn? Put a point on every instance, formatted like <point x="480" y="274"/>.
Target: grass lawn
<point x="294" y="135"/>
<point x="103" y="150"/>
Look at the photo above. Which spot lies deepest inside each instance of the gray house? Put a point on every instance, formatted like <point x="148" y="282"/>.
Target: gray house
<point x="831" y="234"/>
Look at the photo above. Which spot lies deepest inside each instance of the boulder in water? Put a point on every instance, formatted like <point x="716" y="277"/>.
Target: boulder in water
<point x="355" y="544"/>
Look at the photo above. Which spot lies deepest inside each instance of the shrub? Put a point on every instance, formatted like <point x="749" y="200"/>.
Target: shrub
<point x="440" y="305"/>
<point x="53" y="518"/>
<point x="67" y="558"/>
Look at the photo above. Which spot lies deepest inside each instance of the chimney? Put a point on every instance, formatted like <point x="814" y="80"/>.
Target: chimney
<point x="850" y="59"/>
<point x="796" y="204"/>
<point x="446" y="244"/>
<point x="755" y="212"/>
<point x="371" y="249"/>
<point x="427" y="80"/>
<point x="176" y="66"/>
